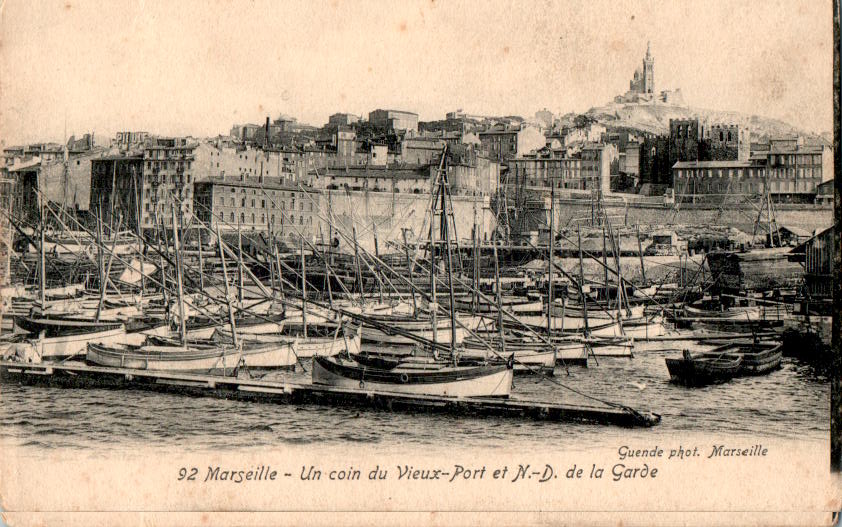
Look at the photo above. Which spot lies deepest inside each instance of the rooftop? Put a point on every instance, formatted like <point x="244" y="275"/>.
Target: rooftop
<point x="268" y="185"/>
<point x="718" y="164"/>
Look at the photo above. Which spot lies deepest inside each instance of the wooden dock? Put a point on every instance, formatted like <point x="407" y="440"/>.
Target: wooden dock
<point x="83" y="376"/>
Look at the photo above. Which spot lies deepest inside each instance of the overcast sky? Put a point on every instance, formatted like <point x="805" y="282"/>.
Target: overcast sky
<point x="190" y="67"/>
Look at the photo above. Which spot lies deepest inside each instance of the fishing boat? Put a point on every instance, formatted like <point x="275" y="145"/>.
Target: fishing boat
<point x="325" y="339"/>
<point x="60" y="338"/>
<point x="204" y="327"/>
<point x="704" y="369"/>
<point x="377" y="330"/>
<point x="210" y="360"/>
<point x="513" y="304"/>
<point x="429" y="378"/>
<point x="530" y="349"/>
<point x="525" y="360"/>
<point x="255" y="355"/>
<point x="759" y="357"/>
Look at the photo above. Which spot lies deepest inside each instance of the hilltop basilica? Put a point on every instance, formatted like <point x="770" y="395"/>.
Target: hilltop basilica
<point x="642" y="85"/>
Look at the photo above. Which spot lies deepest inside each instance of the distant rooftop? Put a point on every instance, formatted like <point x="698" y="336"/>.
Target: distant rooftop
<point x="718" y="164"/>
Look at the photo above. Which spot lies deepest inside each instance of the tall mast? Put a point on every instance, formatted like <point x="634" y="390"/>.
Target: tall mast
<point x="303" y="289"/>
<point x="550" y="276"/>
<point x="444" y="221"/>
<point x="357" y="267"/>
<point x="42" y="264"/>
<point x="582" y="282"/>
<point x="201" y="261"/>
<point x="500" y="329"/>
<point x="605" y="270"/>
<point x="182" y="321"/>
<point x="239" y="264"/>
<point x="410" y="265"/>
<point x="228" y="300"/>
<point x="640" y="254"/>
<point x="433" y="304"/>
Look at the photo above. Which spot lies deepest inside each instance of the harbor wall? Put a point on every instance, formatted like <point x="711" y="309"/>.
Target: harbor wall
<point x="392" y="212"/>
<point x="806" y="217"/>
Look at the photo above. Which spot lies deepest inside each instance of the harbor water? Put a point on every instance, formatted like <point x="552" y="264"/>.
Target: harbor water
<point x="789" y="403"/>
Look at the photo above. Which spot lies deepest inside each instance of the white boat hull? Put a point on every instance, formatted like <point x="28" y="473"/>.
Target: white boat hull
<point x="63" y="347"/>
<point x="498" y="384"/>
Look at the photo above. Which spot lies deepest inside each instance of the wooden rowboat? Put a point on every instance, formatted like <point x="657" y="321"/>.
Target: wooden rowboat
<point x="758" y="357"/>
<point x="702" y="370"/>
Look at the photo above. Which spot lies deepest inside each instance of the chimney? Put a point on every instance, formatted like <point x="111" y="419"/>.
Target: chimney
<point x="266" y="139"/>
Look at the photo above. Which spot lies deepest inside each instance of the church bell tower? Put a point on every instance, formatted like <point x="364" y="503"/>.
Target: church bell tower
<point x="648" y="71"/>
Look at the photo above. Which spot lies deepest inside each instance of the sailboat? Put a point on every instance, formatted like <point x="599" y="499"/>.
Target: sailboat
<point x="56" y="337"/>
<point x="425" y="377"/>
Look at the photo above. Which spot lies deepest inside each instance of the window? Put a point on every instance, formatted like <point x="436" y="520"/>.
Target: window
<point x="231" y="219"/>
<point x="243" y="202"/>
<point x="242" y="217"/>
<point x="232" y="202"/>
<point x="252" y="203"/>
<point x="263" y="204"/>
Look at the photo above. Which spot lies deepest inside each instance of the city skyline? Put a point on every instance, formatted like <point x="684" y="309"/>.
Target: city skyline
<point x="107" y="67"/>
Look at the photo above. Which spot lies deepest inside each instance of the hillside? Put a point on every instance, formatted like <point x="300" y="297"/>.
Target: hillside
<point x="655" y="118"/>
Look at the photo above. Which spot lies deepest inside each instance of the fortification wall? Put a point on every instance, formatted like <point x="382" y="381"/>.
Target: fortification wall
<point x="393" y="212"/>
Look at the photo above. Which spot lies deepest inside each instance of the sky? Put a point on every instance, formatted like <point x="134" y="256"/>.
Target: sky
<point x="196" y="68"/>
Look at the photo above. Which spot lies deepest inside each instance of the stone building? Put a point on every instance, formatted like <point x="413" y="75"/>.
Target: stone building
<point x="727" y="142"/>
<point x="273" y="204"/>
<point x="685" y="140"/>
<point x="504" y="142"/>
<point x="643" y="81"/>
<point x="394" y="120"/>
<point x="588" y="169"/>
<point x="790" y="175"/>
<point x="63" y="176"/>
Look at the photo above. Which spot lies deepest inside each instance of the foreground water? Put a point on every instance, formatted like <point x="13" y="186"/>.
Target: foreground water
<point x="790" y="403"/>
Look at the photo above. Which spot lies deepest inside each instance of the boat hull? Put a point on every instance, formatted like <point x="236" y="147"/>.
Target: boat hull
<point x="700" y="371"/>
<point x="164" y="358"/>
<point x="480" y="381"/>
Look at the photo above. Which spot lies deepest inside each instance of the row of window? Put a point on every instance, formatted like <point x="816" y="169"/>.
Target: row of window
<point x="801" y="159"/>
<point x="171" y="165"/>
<point x="284" y="220"/>
<point x="161" y="153"/>
<point x="717" y="186"/>
<point x="788" y="173"/>
<point x="272" y="204"/>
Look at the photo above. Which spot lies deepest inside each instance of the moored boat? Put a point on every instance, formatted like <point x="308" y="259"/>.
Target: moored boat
<point x="62" y="338"/>
<point x="759" y="357"/>
<point x="441" y="379"/>
<point x="214" y="361"/>
<point x="704" y="369"/>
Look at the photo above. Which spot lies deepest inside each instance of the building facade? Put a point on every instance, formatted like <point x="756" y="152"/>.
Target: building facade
<point x="288" y="211"/>
<point x="588" y="169"/>
<point x="790" y="175"/>
<point x="503" y="142"/>
<point x="394" y="120"/>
